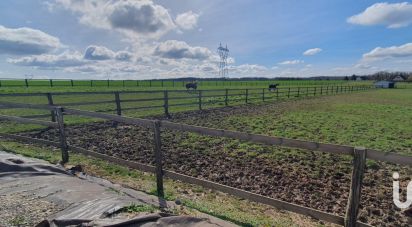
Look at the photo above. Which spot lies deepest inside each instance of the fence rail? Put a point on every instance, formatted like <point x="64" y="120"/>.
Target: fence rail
<point x="359" y="157"/>
<point x="198" y="98"/>
<point x="157" y="83"/>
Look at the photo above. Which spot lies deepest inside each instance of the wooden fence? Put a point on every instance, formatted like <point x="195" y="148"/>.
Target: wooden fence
<point x="359" y="157"/>
<point x="158" y="83"/>
<point x="197" y="98"/>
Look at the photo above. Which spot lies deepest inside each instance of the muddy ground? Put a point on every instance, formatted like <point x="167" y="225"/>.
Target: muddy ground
<point x="313" y="179"/>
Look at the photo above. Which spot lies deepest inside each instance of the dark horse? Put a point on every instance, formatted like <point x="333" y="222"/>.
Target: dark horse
<point x="273" y="87"/>
<point x="192" y="85"/>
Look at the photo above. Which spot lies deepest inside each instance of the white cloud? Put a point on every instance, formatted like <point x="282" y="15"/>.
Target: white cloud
<point x="393" y="15"/>
<point x="291" y="62"/>
<point x="98" y="53"/>
<point x="312" y="51"/>
<point x="26" y="41"/>
<point x="389" y="52"/>
<point x="187" y="20"/>
<point x="45" y="61"/>
<point x="174" y="49"/>
<point x="135" y="18"/>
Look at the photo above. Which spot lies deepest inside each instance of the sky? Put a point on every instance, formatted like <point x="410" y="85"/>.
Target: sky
<point x="156" y="39"/>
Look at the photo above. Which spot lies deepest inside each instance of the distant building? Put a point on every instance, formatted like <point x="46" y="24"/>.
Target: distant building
<point x="385" y="84"/>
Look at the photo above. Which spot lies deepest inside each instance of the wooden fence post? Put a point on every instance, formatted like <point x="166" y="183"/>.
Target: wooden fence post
<point x="314" y="92"/>
<point x="158" y="159"/>
<point x="246" y="95"/>
<point x="108" y="83"/>
<point x="118" y="105"/>
<point x="91" y="83"/>
<point x="263" y="95"/>
<point x="277" y="93"/>
<point x="51" y="82"/>
<point x="26" y="82"/>
<point x="298" y="91"/>
<point x="166" y="103"/>
<point x="71" y="83"/>
<point x="352" y="209"/>
<point x="50" y="102"/>
<point x="307" y="91"/>
<point x="321" y="90"/>
<point x="63" y="141"/>
<point x="289" y="92"/>
<point x="226" y="97"/>
<point x="200" y="100"/>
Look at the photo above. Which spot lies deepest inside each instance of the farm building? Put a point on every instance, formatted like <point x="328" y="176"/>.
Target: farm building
<point x="385" y="84"/>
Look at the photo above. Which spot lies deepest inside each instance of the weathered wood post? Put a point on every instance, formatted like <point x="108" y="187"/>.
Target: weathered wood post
<point x="26" y="82"/>
<point x="289" y="92"/>
<point x="263" y="95"/>
<point x="200" y="100"/>
<point x="246" y="95"/>
<point x="108" y="83"/>
<point x="277" y="93"/>
<point x="71" y="83"/>
<point x="118" y="105"/>
<point x="91" y="83"/>
<point x="226" y="97"/>
<point x="352" y="209"/>
<point x="314" y="92"/>
<point x="50" y="102"/>
<point x="321" y="90"/>
<point x="63" y="142"/>
<point x="307" y="91"/>
<point x="166" y="103"/>
<point x="51" y="82"/>
<point x="298" y="91"/>
<point x="158" y="159"/>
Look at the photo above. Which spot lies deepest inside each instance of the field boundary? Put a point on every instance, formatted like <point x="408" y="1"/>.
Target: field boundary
<point x="198" y="97"/>
<point x="11" y="82"/>
<point x="359" y="157"/>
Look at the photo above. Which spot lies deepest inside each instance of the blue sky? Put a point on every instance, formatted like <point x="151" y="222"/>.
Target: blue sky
<point x="145" y="39"/>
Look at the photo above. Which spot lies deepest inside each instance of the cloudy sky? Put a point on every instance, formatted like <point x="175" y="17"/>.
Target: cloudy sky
<point x="142" y="39"/>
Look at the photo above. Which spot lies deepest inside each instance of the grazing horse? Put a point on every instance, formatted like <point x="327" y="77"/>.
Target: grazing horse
<point x="192" y="85"/>
<point x="273" y="87"/>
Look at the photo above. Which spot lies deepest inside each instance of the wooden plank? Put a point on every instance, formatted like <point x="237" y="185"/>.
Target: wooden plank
<point x="122" y="162"/>
<point x="29" y="121"/>
<point x="352" y="209"/>
<point x="269" y="140"/>
<point x="25" y="105"/>
<point x="29" y="139"/>
<point x="389" y="157"/>
<point x="141" y="100"/>
<point x="320" y="215"/>
<point x="158" y="159"/>
<point x="127" y="120"/>
<point x="62" y="135"/>
<point x="85" y="103"/>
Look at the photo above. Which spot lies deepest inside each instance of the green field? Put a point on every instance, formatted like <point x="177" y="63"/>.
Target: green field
<point x="14" y="85"/>
<point x="379" y="119"/>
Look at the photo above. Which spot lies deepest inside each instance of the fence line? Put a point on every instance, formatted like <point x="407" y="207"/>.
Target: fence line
<point x="156" y="83"/>
<point x="359" y="154"/>
<point x="246" y="96"/>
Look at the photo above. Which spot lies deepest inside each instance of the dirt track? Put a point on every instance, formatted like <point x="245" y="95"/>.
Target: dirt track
<point x="315" y="180"/>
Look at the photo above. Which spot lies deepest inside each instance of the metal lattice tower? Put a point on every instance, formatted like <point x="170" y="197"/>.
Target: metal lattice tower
<point x="223" y="54"/>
